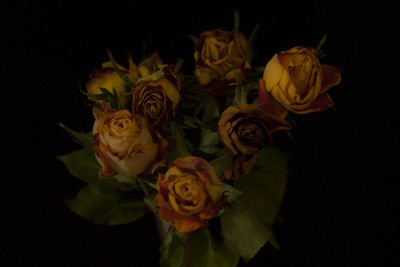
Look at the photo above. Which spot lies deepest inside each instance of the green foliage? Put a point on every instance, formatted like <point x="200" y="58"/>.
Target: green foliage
<point x="209" y="139"/>
<point x="206" y="250"/>
<point x="219" y="164"/>
<point x="83" y="165"/>
<point x="172" y="251"/>
<point x="179" y="147"/>
<point x="85" y="140"/>
<point x="106" y="206"/>
<point x="263" y="188"/>
<point x="318" y="50"/>
<point x="243" y="229"/>
<point x="246" y="223"/>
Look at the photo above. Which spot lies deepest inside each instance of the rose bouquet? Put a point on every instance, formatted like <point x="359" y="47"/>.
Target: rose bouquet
<point x="196" y="150"/>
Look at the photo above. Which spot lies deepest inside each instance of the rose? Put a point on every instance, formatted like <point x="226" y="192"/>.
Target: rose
<point x="156" y="97"/>
<point x="297" y="80"/>
<point x="190" y="193"/>
<point x="245" y="129"/>
<point x="123" y="143"/>
<point x="108" y="78"/>
<point x="219" y="56"/>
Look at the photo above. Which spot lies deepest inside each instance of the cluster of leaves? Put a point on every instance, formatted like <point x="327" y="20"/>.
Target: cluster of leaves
<point x="245" y="223"/>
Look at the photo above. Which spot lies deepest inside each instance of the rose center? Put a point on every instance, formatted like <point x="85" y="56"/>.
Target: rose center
<point x="252" y="133"/>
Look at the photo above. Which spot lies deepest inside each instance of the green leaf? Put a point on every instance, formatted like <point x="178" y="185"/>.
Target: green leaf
<point x="209" y="139"/>
<point x="172" y="251"/>
<point x="225" y="254"/>
<point x="85" y="140"/>
<point x="180" y="149"/>
<point x="195" y="39"/>
<point x="150" y="203"/>
<point x="206" y="250"/>
<point x="263" y="188"/>
<point x="82" y="164"/>
<point x="105" y="207"/>
<point x="318" y="50"/>
<point x="236" y="22"/>
<point x="219" y="164"/>
<point x="249" y="53"/>
<point x="244" y="230"/>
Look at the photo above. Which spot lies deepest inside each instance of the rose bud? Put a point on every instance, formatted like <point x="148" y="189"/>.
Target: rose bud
<point x="109" y="79"/>
<point x="297" y="80"/>
<point x="190" y="194"/>
<point x="245" y="129"/>
<point x="123" y="143"/>
<point x="156" y="97"/>
<point x="219" y="58"/>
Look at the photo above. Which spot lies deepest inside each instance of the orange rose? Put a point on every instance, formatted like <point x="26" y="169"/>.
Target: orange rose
<point x="190" y="194"/>
<point x="219" y="57"/>
<point x="156" y="97"/>
<point x="245" y="129"/>
<point x="297" y="80"/>
<point x="123" y="143"/>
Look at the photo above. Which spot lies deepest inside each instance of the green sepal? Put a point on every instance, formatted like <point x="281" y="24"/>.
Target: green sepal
<point x="231" y="193"/>
<point x="195" y="39"/>
<point x="318" y="50"/>
<point x="236" y="22"/>
<point x="249" y="53"/>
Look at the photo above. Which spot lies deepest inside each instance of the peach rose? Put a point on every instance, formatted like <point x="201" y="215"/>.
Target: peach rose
<point x="297" y="80"/>
<point x="190" y="193"/>
<point x="123" y="143"/>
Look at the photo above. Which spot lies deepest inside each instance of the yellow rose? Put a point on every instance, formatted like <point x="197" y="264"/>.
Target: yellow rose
<point x="219" y="56"/>
<point x="190" y="193"/>
<point x="123" y="143"/>
<point x="156" y="97"/>
<point x="245" y="129"/>
<point x="108" y="78"/>
<point x="297" y="80"/>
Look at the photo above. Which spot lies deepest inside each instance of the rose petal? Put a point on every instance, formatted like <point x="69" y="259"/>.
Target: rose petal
<point x="268" y="103"/>
<point x="322" y="102"/>
<point x="331" y="76"/>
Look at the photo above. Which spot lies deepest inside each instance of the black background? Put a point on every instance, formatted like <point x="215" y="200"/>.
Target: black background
<point x="340" y="204"/>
